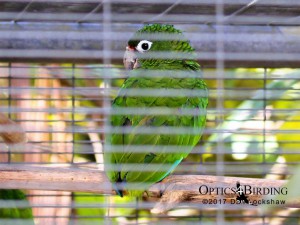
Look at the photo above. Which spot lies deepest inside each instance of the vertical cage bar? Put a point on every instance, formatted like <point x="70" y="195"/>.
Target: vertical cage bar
<point x="73" y="113"/>
<point x="107" y="82"/>
<point x="9" y="104"/>
<point x="264" y="117"/>
<point x="72" y="211"/>
<point x="220" y="98"/>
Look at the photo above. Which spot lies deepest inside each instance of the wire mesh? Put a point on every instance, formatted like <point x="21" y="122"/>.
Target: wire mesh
<point x="61" y="68"/>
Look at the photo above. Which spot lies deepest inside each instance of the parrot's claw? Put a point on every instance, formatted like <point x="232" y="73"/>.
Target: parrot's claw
<point x="118" y="191"/>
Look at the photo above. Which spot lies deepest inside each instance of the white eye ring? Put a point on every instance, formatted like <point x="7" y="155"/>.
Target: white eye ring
<point x="143" y="46"/>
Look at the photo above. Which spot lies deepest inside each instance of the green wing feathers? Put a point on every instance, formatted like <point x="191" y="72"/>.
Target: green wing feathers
<point x="15" y="208"/>
<point x="144" y="149"/>
<point x="141" y="166"/>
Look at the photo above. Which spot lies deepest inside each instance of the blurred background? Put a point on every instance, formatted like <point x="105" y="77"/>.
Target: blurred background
<point x="61" y="65"/>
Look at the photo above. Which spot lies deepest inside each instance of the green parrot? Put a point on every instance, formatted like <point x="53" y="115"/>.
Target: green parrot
<point x="23" y="214"/>
<point x="143" y="148"/>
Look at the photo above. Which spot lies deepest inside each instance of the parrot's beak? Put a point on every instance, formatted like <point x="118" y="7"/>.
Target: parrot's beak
<point x="130" y="59"/>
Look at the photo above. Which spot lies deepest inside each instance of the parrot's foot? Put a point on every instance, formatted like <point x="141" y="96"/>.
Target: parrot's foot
<point x="118" y="191"/>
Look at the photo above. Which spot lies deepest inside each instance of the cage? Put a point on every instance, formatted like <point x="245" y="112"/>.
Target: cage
<point x="61" y="67"/>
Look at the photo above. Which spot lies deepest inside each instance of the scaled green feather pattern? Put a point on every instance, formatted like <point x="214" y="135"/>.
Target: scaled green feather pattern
<point x="14" y="209"/>
<point x="136" y="156"/>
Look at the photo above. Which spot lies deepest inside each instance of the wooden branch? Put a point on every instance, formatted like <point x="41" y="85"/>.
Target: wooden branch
<point x="180" y="189"/>
<point x="53" y="179"/>
<point x="175" y="189"/>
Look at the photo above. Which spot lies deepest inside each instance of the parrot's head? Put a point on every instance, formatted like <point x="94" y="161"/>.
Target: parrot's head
<point x="157" y="46"/>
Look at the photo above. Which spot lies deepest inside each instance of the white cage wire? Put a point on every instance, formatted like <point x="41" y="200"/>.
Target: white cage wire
<point x="61" y="67"/>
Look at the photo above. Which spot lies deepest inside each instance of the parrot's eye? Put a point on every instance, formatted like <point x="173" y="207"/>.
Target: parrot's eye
<point x="144" y="46"/>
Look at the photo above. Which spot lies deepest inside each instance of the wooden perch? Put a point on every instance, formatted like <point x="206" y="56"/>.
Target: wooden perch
<point x="174" y="189"/>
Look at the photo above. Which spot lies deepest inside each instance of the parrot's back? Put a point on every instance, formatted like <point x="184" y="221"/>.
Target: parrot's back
<point x="163" y="120"/>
